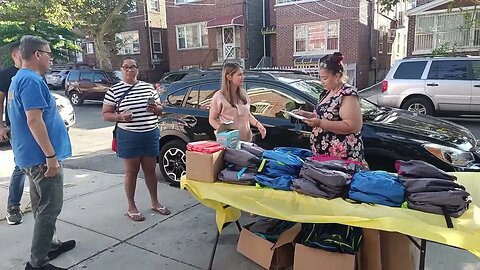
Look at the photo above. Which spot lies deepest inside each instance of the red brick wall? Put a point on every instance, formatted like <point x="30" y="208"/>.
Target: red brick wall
<point x="184" y="14"/>
<point x="354" y="36"/>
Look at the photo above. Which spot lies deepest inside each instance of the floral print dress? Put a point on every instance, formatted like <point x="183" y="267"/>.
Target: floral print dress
<point x="323" y="142"/>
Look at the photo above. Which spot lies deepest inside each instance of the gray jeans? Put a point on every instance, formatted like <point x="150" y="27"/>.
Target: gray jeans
<point x="47" y="201"/>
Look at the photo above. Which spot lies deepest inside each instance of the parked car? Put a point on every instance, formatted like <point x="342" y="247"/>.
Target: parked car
<point x="64" y="108"/>
<point x="433" y="85"/>
<point x="88" y="84"/>
<point x="179" y="75"/>
<point x="56" y="78"/>
<point x="388" y="134"/>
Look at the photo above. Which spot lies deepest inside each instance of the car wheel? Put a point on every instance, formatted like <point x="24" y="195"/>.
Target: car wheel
<point x="419" y="105"/>
<point x="75" y="98"/>
<point x="172" y="161"/>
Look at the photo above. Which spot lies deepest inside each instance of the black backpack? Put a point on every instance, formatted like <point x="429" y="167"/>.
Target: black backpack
<point x="331" y="237"/>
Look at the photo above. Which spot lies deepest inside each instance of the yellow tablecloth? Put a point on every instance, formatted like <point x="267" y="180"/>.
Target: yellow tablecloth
<point x="291" y="206"/>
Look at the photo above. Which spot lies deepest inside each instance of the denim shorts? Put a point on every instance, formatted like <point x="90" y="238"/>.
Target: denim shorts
<point x="137" y="144"/>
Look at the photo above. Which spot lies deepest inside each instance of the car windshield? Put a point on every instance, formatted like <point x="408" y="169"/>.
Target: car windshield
<point x="311" y="87"/>
<point x="314" y="88"/>
<point x="112" y="76"/>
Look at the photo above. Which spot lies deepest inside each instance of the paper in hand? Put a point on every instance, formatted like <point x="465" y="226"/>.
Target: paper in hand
<point x="299" y="117"/>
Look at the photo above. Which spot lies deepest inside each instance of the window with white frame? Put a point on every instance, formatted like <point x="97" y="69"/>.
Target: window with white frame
<point x="133" y="7"/>
<point x="184" y="1"/>
<point x="435" y="30"/>
<point x="90" y="49"/>
<point x="190" y="36"/>
<point x="316" y="37"/>
<point x="156" y="41"/>
<point x="155" y="5"/>
<point x="128" y="43"/>
<point x="287" y="1"/>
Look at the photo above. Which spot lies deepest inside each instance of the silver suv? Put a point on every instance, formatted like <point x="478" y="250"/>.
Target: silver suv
<point x="430" y="85"/>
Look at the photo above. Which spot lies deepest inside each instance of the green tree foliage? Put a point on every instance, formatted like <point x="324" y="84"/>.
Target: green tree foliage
<point x="101" y="20"/>
<point x="55" y="20"/>
<point x="40" y="18"/>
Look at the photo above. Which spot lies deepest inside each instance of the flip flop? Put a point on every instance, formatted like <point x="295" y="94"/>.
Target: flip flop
<point x="136" y="216"/>
<point x="162" y="210"/>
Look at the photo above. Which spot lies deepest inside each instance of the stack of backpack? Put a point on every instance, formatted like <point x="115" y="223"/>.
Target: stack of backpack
<point x="327" y="179"/>
<point x="432" y="190"/>
<point x="242" y="165"/>
<point x="279" y="167"/>
<point x="377" y="187"/>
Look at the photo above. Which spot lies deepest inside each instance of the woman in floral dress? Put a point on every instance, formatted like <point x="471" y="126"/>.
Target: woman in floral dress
<point x="337" y="119"/>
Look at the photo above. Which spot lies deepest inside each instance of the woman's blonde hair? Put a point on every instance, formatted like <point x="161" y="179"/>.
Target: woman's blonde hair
<point x="233" y="97"/>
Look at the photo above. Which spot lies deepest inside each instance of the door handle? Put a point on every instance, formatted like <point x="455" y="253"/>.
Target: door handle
<point x="432" y="84"/>
<point x="476" y="85"/>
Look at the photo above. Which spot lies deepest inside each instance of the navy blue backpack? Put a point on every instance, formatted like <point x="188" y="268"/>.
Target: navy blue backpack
<point x="377" y="187"/>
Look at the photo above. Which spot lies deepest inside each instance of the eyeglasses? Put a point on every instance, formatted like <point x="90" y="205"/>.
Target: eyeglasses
<point x="129" y="67"/>
<point x="49" y="53"/>
<point x="323" y="65"/>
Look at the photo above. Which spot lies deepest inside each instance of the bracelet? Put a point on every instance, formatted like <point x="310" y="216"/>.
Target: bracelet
<point x="54" y="155"/>
<point x="256" y="124"/>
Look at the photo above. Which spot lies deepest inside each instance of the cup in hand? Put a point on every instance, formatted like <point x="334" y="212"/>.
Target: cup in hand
<point x="128" y="115"/>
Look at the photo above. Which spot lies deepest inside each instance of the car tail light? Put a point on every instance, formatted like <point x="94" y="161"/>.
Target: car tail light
<point x="384" y="86"/>
<point x="157" y="86"/>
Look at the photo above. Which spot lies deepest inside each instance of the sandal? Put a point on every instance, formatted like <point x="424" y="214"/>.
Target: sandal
<point x="162" y="210"/>
<point x="135" y="216"/>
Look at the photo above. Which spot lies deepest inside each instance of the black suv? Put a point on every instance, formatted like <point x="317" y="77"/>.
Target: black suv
<point x="388" y="134"/>
<point x="88" y="84"/>
<point x="182" y="75"/>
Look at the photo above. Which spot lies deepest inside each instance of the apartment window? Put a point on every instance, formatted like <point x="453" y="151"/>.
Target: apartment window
<point x="432" y="31"/>
<point x="155" y="5"/>
<point x="133" y="7"/>
<point x="191" y="36"/>
<point x="184" y="1"/>
<point x="287" y="1"/>
<point x="90" y="49"/>
<point x="128" y="43"/>
<point x="316" y="37"/>
<point x="157" y="41"/>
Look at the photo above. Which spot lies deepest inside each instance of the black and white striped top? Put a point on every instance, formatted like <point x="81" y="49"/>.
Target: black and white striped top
<point x="136" y="102"/>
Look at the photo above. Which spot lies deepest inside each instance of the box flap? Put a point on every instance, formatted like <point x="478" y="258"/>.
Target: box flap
<point x="288" y="236"/>
<point x="255" y="248"/>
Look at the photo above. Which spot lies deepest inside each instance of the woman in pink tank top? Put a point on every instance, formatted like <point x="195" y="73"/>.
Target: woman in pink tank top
<point x="231" y="104"/>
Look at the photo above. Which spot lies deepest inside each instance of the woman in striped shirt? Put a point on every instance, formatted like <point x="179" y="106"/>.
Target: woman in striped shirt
<point x="137" y="134"/>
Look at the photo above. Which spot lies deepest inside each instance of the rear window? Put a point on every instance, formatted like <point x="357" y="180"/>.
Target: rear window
<point x="448" y="70"/>
<point x="410" y="70"/>
<point x="74" y="75"/>
<point x="86" y="76"/>
<point x="174" y="77"/>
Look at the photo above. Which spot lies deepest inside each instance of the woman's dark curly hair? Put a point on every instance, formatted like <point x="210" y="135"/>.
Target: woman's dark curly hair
<point x="334" y="63"/>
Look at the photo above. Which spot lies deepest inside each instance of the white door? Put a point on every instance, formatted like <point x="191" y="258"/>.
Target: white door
<point x="228" y="40"/>
<point x="449" y="85"/>
<point x="475" y="100"/>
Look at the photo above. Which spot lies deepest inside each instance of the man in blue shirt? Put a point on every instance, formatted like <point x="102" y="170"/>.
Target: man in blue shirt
<point x="17" y="180"/>
<point x="40" y="142"/>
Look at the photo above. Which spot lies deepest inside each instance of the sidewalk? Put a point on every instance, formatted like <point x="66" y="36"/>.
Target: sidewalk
<point x="93" y="214"/>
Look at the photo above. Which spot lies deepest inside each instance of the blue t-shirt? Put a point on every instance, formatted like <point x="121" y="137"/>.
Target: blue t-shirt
<point x="28" y="92"/>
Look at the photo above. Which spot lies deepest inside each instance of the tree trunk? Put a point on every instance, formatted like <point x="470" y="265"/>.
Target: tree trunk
<point x="101" y="52"/>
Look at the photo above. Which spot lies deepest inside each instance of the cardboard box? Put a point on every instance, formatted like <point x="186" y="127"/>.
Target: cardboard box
<point x="203" y="166"/>
<point x="267" y="254"/>
<point x="307" y="258"/>
<point x="398" y="252"/>
<point x="387" y="251"/>
<point x="369" y="253"/>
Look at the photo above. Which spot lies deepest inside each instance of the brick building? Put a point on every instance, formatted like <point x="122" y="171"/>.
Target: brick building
<point x="144" y="37"/>
<point x="210" y="32"/>
<point x="441" y="25"/>
<point x="301" y="33"/>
